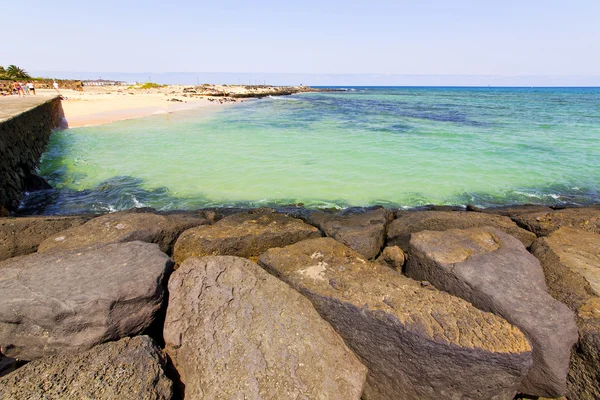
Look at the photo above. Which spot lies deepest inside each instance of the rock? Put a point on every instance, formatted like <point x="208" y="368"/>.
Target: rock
<point x="20" y="236"/>
<point x="418" y="342"/>
<point x="495" y="272"/>
<point x="544" y="223"/>
<point x="393" y="257"/>
<point x="246" y="234"/>
<point x="407" y="223"/>
<point x="510" y="211"/>
<point x="234" y="331"/>
<point x="127" y="369"/>
<point x="363" y="232"/>
<point x="34" y="183"/>
<point x="571" y="261"/>
<point x="69" y="301"/>
<point x="125" y="226"/>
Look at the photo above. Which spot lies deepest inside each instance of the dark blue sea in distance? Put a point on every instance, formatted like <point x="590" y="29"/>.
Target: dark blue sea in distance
<point x="362" y="146"/>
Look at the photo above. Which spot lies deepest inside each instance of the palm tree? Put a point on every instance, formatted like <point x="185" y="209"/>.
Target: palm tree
<point x="16" y="73"/>
<point x="2" y="72"/>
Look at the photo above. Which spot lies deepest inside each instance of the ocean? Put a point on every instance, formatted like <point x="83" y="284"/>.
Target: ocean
<point x="393" y="146"/>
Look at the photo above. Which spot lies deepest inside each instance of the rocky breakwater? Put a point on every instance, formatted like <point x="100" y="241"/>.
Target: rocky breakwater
<point x="371" y="304"/>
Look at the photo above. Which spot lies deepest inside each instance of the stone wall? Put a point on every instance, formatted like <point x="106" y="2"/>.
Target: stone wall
<point x="6" y="85"/>
<point x="23" y="139"/>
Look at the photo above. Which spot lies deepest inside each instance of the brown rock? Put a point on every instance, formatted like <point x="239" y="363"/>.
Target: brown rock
<point x="362" y="232"/>
<point x="127" y="369"/>
<point x="544" y="223"/>
<point x="571" y="261"/>
<point x="510" y="211"/>
<point x="20" y="236"/>
<point x="125" y="226"/>
<point x="393" y="257"/>
<point x="417" y="342"/>
<point x="400" y="229"/>
<point x="234" y="331"/>
<point x="247" y="234"/>
<point x="495" y="272"/>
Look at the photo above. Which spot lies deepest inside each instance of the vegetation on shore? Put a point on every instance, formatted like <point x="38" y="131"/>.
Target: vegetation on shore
<point x="13" y="72"/>
<point x="146" y="85"/>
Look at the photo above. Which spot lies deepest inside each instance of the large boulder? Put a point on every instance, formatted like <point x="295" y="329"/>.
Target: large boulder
<point x="234" y="331"/>
<point x="69" y="301"/>
<point x="495" y="272"/>
<point x="401" y="228"/>
<point x="123" y="227"/>
<point x="362" y="232"/>
<point x="571" y="261"/>
<point x="544" y="223"/>
<point x="511" y="211"/>
<point x="131" y="368"/>
<point x="418" y="342"/>
<point x="246" y="234"/>
<point x="20" y="236"/>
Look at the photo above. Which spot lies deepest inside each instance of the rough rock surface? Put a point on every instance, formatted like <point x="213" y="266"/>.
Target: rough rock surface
<point x="544" y="223"/>
<point x="407" y="223"/>
<point x="125" y="226"/>
<point x="495" y="272"/>
<point x="64" y="302"/>
<point x="247" y="234"/>
<point x="571" y="262"/>
<point x="20" y="236"/>
<point x="233" y="331"/>
<point x="131" y="368"/>
<point x="363" y="232"/>
<point x="393" y="257"/>
<point x="418" y="342"/>
<point x="510" y="211"/>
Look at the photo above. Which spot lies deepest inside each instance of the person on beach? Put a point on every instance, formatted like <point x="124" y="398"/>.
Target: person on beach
<point x="25" y="89"/>
<point x="17" y="89"/>
<point x="31" y="87"/>
<point x="55" y="86"/>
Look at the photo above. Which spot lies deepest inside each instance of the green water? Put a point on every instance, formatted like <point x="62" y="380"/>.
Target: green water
<point x="400" y="147"/>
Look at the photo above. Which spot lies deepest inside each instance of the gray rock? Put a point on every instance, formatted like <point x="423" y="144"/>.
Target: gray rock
<point x="495" y="272"/>
<point x="247" y="234"/>
<point x="131" y="368"/>
<point x="571" y="261"/>
<point x="235" y="332"/>
<point x="362" y="232"/>
<point x="407" y="223"/>
<point x="64" y="302"/>
<point x="393" y="257"/>
<point x="125" y="226"/>
<point x="544" y="223"/>
<point x="511" y="211"/>
<point x="20" y="236"/>
<point x="418" y="342"/>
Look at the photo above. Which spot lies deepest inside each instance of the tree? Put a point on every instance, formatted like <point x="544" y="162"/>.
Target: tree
<point x="15" y="72"/>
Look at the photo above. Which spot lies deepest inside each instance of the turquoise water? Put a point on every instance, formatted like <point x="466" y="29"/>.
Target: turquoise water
<point x="398" y="147"/>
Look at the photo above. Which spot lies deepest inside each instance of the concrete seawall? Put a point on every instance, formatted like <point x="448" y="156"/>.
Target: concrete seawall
<point x="25" y="128"/>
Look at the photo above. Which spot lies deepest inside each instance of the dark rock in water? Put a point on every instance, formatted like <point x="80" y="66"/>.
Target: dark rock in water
<point x="234" y="331"/>
<point x="495" y="272"/>
<point x="247" y="234"/>
<point x="544" y="223"/>
<point x="125" y="226"/>
<point x="510" y="211"/>
<point x="571" y="261"/>
<point x="364" y="232"/>
<point x="418" y="343"/>
<point x="407" y="223"/>
<point x="68" y="301"/>
<point x="127" y="369"/>
<point x="34" y="183"/>
<point x="22" y="235"/>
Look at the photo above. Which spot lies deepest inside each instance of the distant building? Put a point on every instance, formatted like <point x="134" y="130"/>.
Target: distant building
<point x="101" y="82"/>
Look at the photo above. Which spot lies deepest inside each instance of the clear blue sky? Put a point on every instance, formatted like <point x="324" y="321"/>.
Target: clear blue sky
<point x="428" y="37"/>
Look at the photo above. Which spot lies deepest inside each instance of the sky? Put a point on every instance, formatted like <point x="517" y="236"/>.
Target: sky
<point x="315" y="41"/>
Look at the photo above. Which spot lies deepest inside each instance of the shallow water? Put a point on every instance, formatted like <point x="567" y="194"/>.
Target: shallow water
<point x="398" y="147"/>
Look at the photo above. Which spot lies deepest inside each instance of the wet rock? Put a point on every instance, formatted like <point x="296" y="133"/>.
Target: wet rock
<point x="362" y="232"/>
<point x="69" y="301"/>
<point x="495" y="272"/>
<point x="401" y="229"/>
<point x="418" y="342"/>
<point x="234" y="331"/>
<point x="510" y="211"/>
<point x="393" y="257"/>
<point x="544" y="223"/>
<point x="571" y="261"/>
<point x="20" y="236"/>
<point x="123" y="370"/>
<point x="125" y="226"/>
<point x="246" y="234"/>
